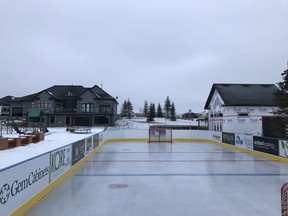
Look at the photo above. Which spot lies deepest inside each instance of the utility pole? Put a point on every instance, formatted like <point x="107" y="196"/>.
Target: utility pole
<point x="190" y="118"/>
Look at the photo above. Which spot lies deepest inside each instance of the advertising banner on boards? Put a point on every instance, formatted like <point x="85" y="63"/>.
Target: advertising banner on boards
<point x="245" y="141"/>
<point x="228" y="138"/>
<point x="101" y="138"/>
<point x="21" y="182"/>
<point x="266" y="145"/>
<point x="78" y="151"/>
<point x="217" y="136"/>
<point x="95" y="141"/>
<point x="60" y="161"/>
<point x="89" y="145"/>
<point x="283" y="148"/>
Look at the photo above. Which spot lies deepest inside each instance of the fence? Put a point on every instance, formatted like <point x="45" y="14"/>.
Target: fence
<point x="23" y="184"/>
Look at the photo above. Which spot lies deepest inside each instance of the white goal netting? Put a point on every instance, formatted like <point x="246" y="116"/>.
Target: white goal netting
<point x="157" y="134"/>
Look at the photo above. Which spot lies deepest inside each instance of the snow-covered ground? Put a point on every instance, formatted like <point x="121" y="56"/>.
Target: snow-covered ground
<point x="55" y="138"/>
<point x="141" y="123"/>
<point x="58" y="137"/>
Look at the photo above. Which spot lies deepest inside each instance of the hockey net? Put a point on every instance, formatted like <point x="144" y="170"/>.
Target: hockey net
<point x="158" y="134"/>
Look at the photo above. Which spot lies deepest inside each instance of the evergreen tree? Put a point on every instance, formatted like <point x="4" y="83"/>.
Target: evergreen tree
<point x="146" y="109"/>
<point x="123" y="109"/>
<point x="159" y="112"/>
<point x="281" y="96"/>
<point x="127" y="109"/>
<point x="279" y="125"/>
<point x="173" y="112"/>
<point x="167" y="107"/>
<point x="152" y="112"/>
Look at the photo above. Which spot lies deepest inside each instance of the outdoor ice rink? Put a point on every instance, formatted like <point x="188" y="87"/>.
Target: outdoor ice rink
<point x="179" y="179"/>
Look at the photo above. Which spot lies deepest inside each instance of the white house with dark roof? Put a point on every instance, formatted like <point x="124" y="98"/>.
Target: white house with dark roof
<point x="239" y="108"/>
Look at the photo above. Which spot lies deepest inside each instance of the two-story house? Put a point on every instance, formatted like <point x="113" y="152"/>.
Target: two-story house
<point x="68" y="105"/>
<point x="239" y="108"/>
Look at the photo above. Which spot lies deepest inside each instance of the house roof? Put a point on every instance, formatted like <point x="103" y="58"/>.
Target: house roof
<point x="244" y="94"/>
<point x="5" y="100"/>
<point x="60" y="92"/>
<point x="101" y="93"/>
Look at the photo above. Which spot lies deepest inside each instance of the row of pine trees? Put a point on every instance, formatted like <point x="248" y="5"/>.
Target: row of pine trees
<point x="150" y="111"/>
<point x="169" y="111"/>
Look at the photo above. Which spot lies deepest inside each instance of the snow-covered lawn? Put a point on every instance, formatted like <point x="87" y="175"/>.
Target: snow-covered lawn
<point x="141" y="123"/>
<point x="58" y="137"/>
<point x="55" y="138"/>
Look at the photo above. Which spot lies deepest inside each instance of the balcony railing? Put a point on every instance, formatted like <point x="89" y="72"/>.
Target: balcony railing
<point x="107" y="111"/>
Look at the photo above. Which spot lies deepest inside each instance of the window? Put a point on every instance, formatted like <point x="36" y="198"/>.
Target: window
<point x="217" y="115"/>
<point x="105" y="108"/>
<point x="17" y="111"/>
<point x="243" y="114"/>
<point x="215" y="126"/>
<point x="4" y="110"/>
<point x="52" y="120"/>
<point x="87" y="107"/>
<point x="220" y="126"/>
<point x="68" y="120"/>
<point x="44" y="104"/>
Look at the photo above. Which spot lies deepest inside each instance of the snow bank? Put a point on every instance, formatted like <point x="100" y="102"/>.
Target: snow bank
<point x="55" y="138"/>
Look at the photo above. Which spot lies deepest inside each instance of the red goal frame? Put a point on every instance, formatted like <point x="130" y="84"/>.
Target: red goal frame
<point x="284" y="199"/>
<point x="160" y="134"/>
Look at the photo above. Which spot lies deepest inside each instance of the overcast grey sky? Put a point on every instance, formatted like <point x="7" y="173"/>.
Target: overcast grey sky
<point x="142" y="49"/>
